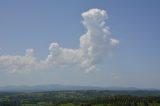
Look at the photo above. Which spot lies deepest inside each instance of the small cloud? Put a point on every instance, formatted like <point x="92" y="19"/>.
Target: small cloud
<point x="115" y="76"/>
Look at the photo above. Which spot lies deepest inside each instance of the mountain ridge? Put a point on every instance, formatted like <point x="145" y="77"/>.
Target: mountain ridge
<point x="59" y="87"/>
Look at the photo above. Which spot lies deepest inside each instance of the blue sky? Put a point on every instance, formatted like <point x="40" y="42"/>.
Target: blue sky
<point x="36" y="24"/>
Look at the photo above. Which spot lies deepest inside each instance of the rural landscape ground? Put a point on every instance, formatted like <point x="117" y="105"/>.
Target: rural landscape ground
<point x="81" y="98"/>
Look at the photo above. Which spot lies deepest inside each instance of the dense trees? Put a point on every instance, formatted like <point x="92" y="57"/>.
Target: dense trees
<point x="79" y="98"/>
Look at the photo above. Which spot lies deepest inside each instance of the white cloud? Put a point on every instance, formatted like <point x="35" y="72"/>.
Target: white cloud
<point x="94" y="45"/>
<point x="18" y="63"/>
<point x="115" y="76"/>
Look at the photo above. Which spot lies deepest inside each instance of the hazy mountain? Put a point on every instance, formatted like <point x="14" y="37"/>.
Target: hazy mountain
<point x="57" y="87"/>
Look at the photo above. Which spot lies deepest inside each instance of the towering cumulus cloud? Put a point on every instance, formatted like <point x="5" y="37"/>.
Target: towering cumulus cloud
<point x="94" y="45"/>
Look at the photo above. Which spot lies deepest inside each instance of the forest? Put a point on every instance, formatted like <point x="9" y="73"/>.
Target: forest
<point x="81" y="98"/>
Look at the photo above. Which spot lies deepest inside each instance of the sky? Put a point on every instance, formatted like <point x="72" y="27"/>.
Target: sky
<point x="78" y="42"/>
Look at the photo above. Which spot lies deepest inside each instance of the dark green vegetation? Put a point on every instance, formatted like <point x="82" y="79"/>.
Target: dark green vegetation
<point x="81" y="98"/>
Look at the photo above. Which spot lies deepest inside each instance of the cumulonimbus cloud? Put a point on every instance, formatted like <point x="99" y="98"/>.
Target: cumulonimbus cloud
<point x="96" y="43"/>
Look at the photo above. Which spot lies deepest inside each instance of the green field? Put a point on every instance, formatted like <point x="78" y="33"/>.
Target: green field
<point x="81" y="98"/>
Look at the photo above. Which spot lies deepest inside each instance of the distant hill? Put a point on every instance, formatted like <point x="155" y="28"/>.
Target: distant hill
<point x="57" y="87"/>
